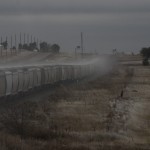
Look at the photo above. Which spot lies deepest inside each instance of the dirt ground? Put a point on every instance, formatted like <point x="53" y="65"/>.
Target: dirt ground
<point x="110" y="112"/>
<point x="23" y="57"/>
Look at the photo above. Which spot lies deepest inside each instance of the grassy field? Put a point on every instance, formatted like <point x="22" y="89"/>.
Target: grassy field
<point x="87" y="115"/>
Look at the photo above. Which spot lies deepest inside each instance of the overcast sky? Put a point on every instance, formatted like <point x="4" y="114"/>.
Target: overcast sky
<point x="106" y="24"/>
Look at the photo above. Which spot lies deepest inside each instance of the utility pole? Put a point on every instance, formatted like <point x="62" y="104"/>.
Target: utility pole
<point x="24" y="38"/>
<point x="82" y="44"/>
<point x="37" y="43"/>
<point x="15" y="44"/>
<point x="31" y="38"/>
<point x="1" y="46"/>
<point x="40" y="45"/>
<point x="11" y="44"/>
<point x="6" y="45"/>
<point x="20" y="43"/>
<point x="28" y="39"/>
<point x="20" y="38"/>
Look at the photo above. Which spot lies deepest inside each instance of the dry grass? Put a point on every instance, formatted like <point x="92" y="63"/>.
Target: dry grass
<point x="87" y="115"/>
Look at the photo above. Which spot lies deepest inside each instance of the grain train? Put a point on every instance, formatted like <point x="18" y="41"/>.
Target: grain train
<point x="16" y="80"/>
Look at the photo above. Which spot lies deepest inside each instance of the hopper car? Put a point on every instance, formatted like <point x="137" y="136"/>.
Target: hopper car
<point x="15" y="80"/>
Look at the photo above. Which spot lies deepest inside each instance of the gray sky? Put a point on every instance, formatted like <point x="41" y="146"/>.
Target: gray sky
<point x="106" y="24"/>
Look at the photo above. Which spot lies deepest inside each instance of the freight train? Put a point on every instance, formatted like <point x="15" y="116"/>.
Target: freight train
<point x="15" y="80"/>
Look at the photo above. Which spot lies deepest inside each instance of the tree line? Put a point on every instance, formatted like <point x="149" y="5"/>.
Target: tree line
<point x="145" y="52"/>
<point x="43" y="47"/>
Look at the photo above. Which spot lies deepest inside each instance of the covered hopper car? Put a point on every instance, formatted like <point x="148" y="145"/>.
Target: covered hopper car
<point x="23" y="79"/>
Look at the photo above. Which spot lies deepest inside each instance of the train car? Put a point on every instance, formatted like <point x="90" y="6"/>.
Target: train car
<point x="86" y="70"/>
<point x="58" y="73"/>
<point x="69" y="72"/>
<point x="15" y="81"/>
<point x="26" y="80"/>
<point x="80" y="72"/>
<point x="72" y="72"/>
<point x="54" y="74"/>
<point x="51" y="72"/>
<point x="20" y="80"/>
<point x="9" y="82"/>
<point x="36" y="77"/>
<point x="77" y="71"/>
<point x="31" y="78"/>
<point x="64" y="72"/>
<point x="44" y="75"/>
<point x="23" y="79"/>
<point x="38" y="71"/>
<point x="2" y="84"/>
<point x="49" y="75"/>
